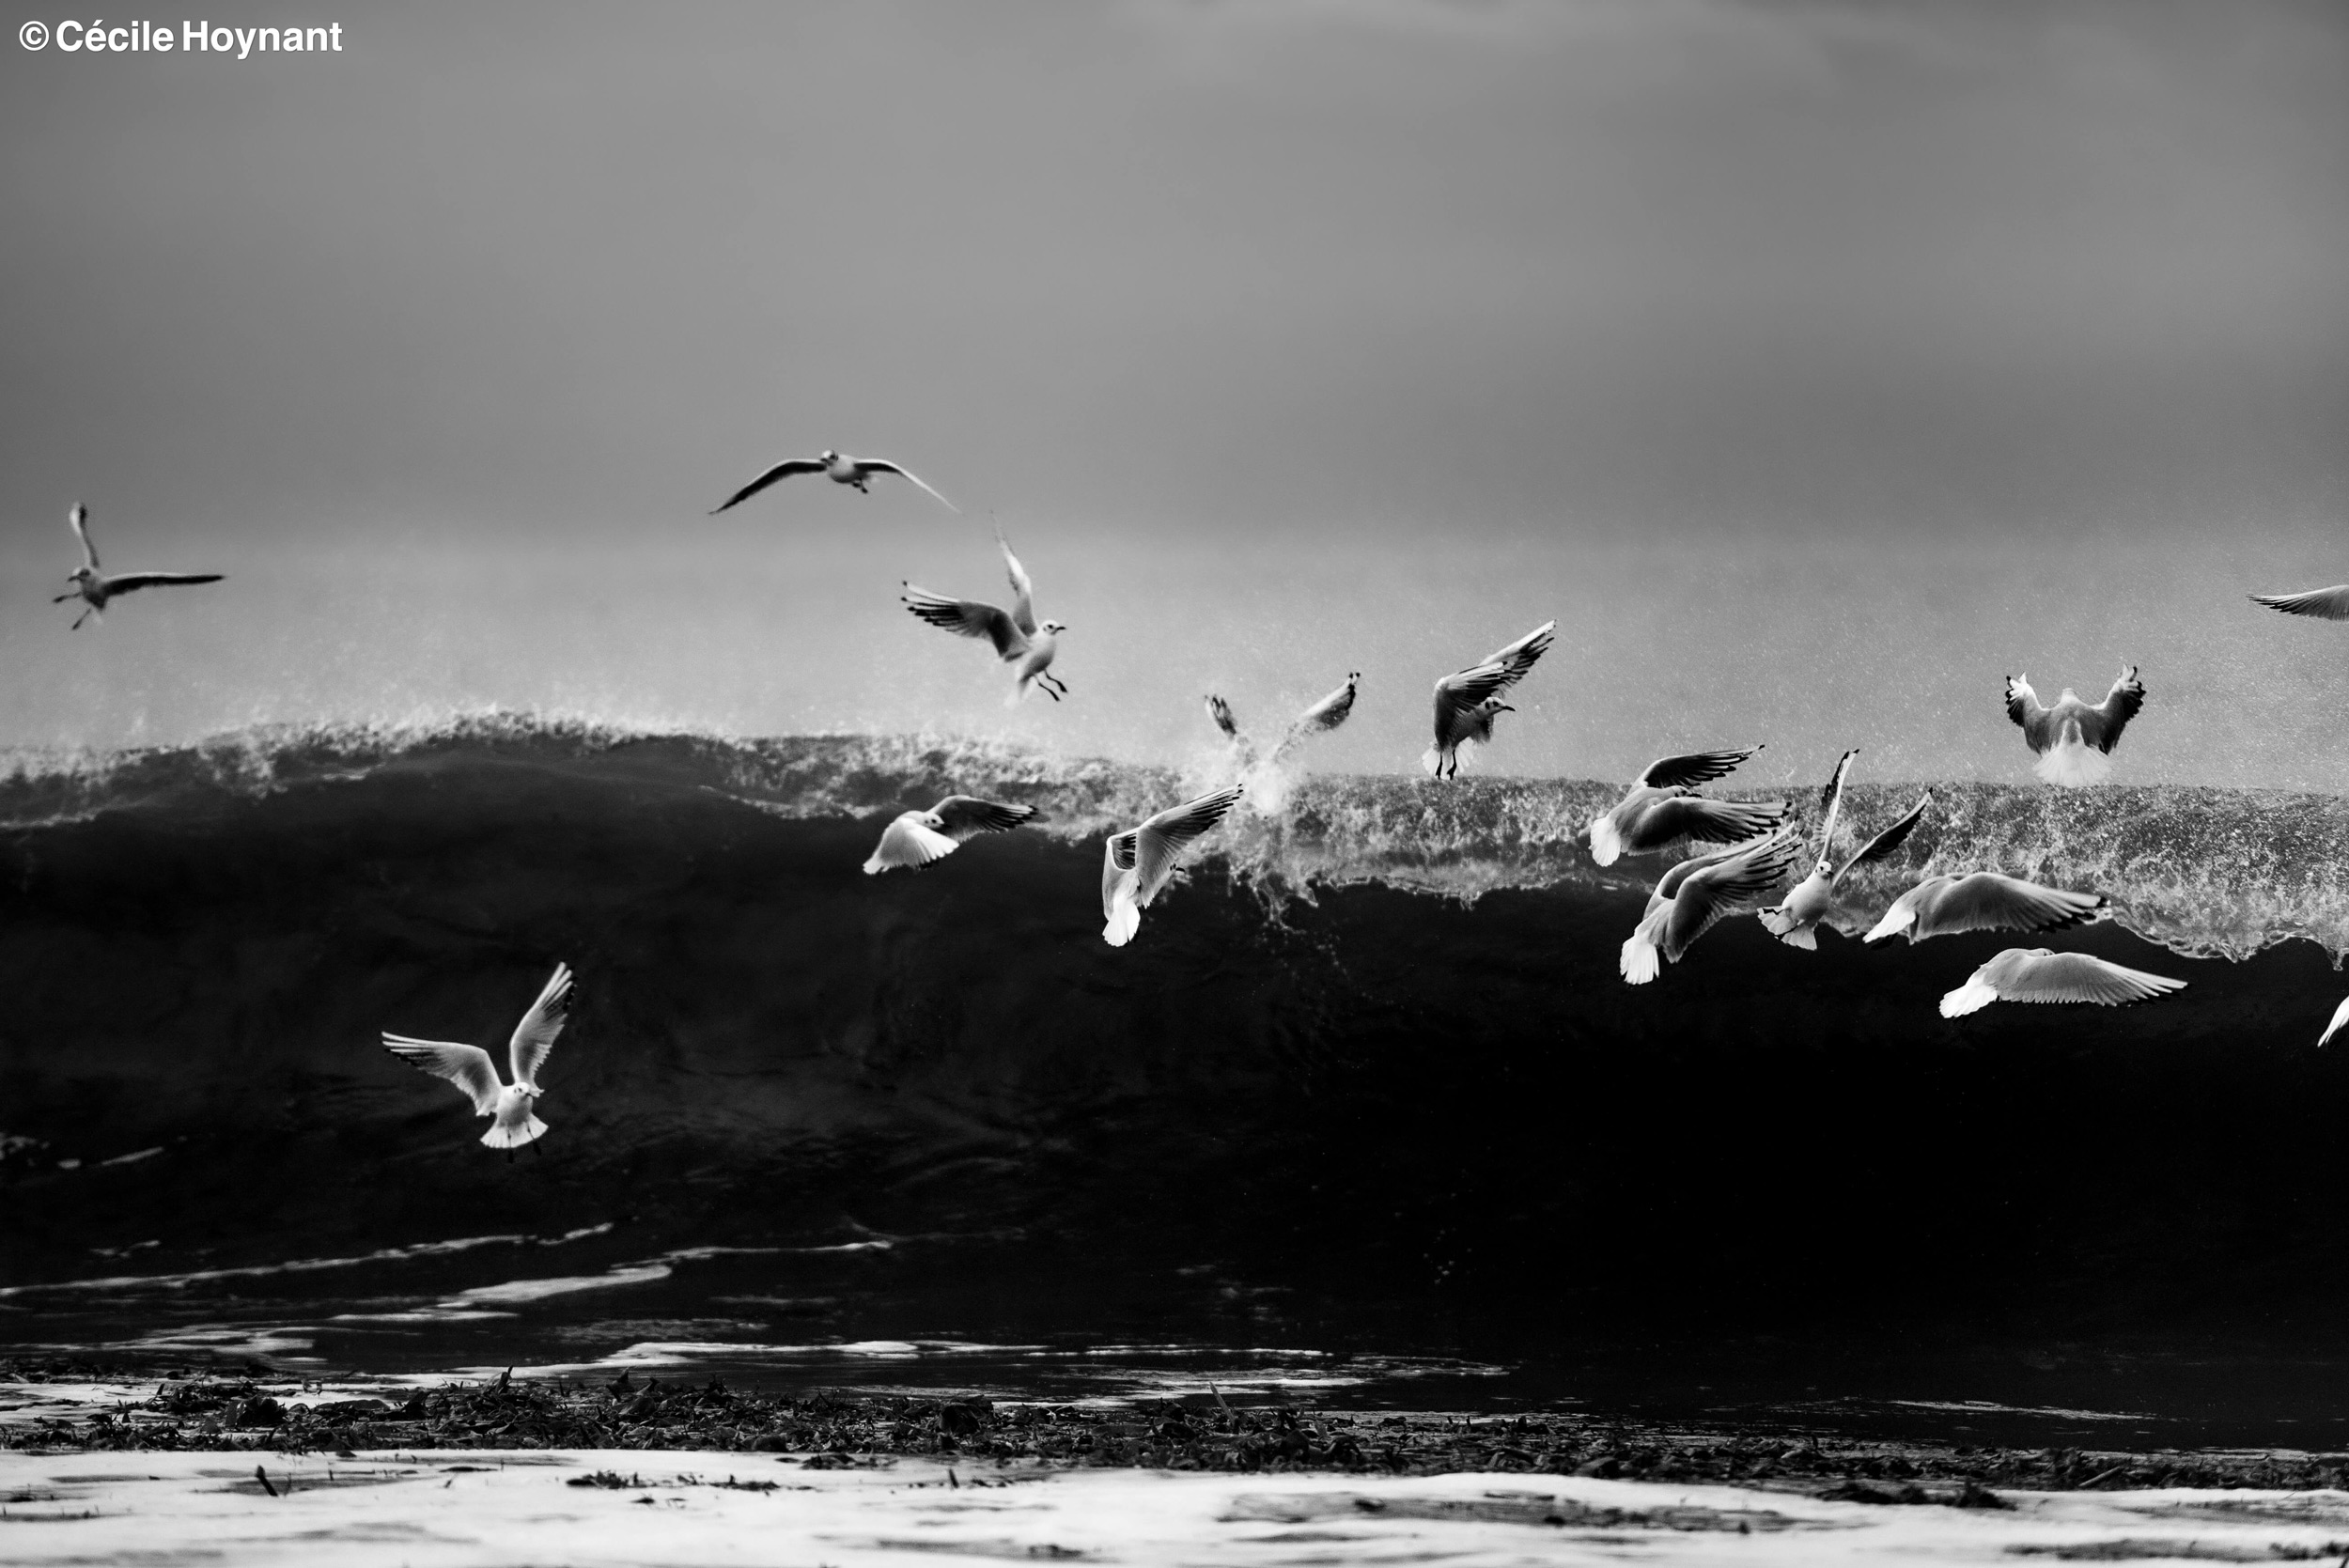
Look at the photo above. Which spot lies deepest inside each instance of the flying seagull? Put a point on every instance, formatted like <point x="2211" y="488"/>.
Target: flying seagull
<point x="469" y="1067"/>
<point x="1018" y="639"/>
<point x="94" y="587"/>
<point x="1137" y="863"/>
<point x="1661" y="809"/>
<point x="1324" y="715"/>
<point x="2036" y="974"/>
<point x="2329" y="604"/>
<point x="1695" y="895"/>
<point x="2073" y="739"/>
<point x="1795" y="921"/>
<point x="854" y="472"/>
<point x="1984" y="901"/>
<point x="1467" y="703"/>
<point x="918" y="837"/>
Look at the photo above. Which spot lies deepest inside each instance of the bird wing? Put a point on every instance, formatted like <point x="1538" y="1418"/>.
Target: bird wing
<point x="967" y="816"/>
<point x="2039" y="975"/>
<point x="877" y="465"/>
<point x="534" y="1036"/>
<point x="1891" y="839"/>
<point x="81" y="530"/>
<point x="466" y="1066"/>
<point x="131" y="582"/>
<point x="2341" y="1016"/>
<point x="967" y="617"/>
<point x="1159" y="841"/>
<point x="1695" y="768"/>
<point x="1990" y="901"/>
<point x="1521" y="654"/>
<point x="782" y="469"/>
<point x="1329" y="713"/>
<point x="1221" y="711"/>
<point x="1723" y="889"/>
<point x="2118" y="706"/>
<point x="1831" y="807"/>
<point x="1117" y="861"/>
<point x="908" y="841"/>
<point x="2024" y="706"/>
<point x="2331" y="604"/>
<point x="1667" y="885"/>
<point x="1022" y="591"/>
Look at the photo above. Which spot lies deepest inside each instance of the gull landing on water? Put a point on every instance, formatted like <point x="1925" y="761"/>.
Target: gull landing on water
<point x="1698" y="895"/>
<point x="1795" y="921"/>
<point x="1137" y="864"/>
<point x="1018" y="639"/>
<point x="2036" y="974"/>
<point x="1661" y="809"/>
<point x="918" y="837"/>
<point x="94" y="587"/>
<point x="856" y="473"/>
<point x="469" y="1067"/>
<point x="1984" y="901"/>
<point x="2074" y="740"/>
<point x="1469" y="702"/>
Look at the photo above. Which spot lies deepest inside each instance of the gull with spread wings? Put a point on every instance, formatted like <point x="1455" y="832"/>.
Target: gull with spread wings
<point x="1795" y="920"/>
<point x="1698" y="895"/>
<point x="1324" y="715"/>
<point x="1137" y="864"/>
<point x="1468" y="703"/>
<point x="1984" y="901"/>
<point x="2036" y="974"/>
<point x="1018" y="639"/>
<point x="514" y="1105"/>
<point x="1661" y="809"/>
<point x="856" y="473"/>
<point x="2074" y="740"/>
<point x="918" y="837"/>
<point x="93" y="587"/>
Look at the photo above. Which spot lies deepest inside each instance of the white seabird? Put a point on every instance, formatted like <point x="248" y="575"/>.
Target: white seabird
<point x="94" y="587"/>
<point x="1137" y="863"/>
<point x="1661" y="809"/>
<point x="1467" y="703"/>
<point x="856" y="473"/>
<point x="469" y="1067"/>
<point x="1322" y="717"/>
<point x="1984" y="901"/>
<point x="918" y="837"/>
<point x="1696" y="894"/>
<point x="1018" y="640"/>
<point x="1795" y="920"/>
<point x="2329" y="604"/>
<point x="2036" y="974"/>
<point x="2074" y="740"/>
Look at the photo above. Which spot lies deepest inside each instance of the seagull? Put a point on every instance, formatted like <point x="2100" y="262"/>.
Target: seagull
<point x="2329" y="604"/>
<point x="2341" y="1016"/>
<point x="1984" y="901"/>
<point x="855" y="472"/>
<point x="1467" y="703"/>
<point x="918" y="837"/>
<point x="1660" y="810"/>
<point x="1795" y="921"/>
<point x="469" y="1067"/>
<point x="1137" y="863"/>
<point x="2073" y="739"/>
<point x="2036" y="974"/>
<point x="1696" y="894"/>
<point x="94" y="587"/>
<point x="1018" y="639"/>
<point x="1324" y="715"/>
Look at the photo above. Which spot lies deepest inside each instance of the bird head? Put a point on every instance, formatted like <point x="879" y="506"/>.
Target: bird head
<point x="1055" y="627"/>
<point x="934" y="822"/>
<point x="79" y="574"/>
<point x="828" y="455"/>
<point x="1495" y="705"/>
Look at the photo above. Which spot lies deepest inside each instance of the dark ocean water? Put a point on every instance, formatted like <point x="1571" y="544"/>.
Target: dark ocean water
<point x="1365" y="1114"/>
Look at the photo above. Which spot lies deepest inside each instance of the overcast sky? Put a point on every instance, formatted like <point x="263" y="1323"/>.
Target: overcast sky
<point x="1421" y="322"/>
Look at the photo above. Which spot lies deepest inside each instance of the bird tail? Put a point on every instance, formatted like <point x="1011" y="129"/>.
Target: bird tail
<point x="1789" y="929"/>
<point x="2071" y="763"/>
<point x="504" y="1135"/>
<point x="1125" y="920"/>
<point x="1019" y="689"/>
<point x="1901" y="917"/>
<point x="1972" y="997"/>
<point x="1641" y="963"/>
<point x="873" y="864"/>
<point x="1605" y="839"/>
<point x="1431" y="762"/>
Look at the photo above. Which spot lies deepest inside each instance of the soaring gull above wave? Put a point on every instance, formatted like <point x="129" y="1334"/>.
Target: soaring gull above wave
<point x="1137" y="863"/>
<point x="1467" y="703"/>
<point x="1795" y="920"/>
<point x="1696" y="894"/>
<point x="1661" y="809"/>
<point x="1018" y="640"/>
<point x="2074" y="740"/>
<point x="1321" y="718"/>
<point x="2036" y="974"/>
<point x="857" y="472"/>
<point x="2327" y="604"/>
<point x="94" y="587"/>
<point x="1984" y="901"/>
<point x="513" y="1105"/>
<point x="918" y="837"/>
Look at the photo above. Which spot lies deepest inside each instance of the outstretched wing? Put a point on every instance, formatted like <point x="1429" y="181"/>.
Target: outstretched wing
<point x="1695" y="768"/>
<point x="781" y="471"/>
<point x="1891" y="839"/>
<point x="1160" y="841"/>
<point x="2024" y="706"/>
<point x="1521" y="654"/>
<point x="131" y="582"/>
<point x="1332" y="711"/>
<point x="877" y="465"/>
<point x="2331" y="604"/>
<point x="1221" y="711"/>
<point x="2039" y="975"/>
<point x="1117" y="858"/>
<point x="2118" y="706"/>
<point x="967" y="816"/>
<point x="1022" y="591"/>
<point x="967" y="617"/>
<point x="1991" y="901"/>
<point x="81" y="530"/>
<point x="908" y="841"/>
<point x="466" y="1066"/>
<point x="1721" y="889"/>
<point x="534" y="1036"/>
<point x="1831" y="807"/>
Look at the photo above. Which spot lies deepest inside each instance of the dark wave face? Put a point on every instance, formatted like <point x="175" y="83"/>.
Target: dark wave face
<point x="1375" y="1052"/>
